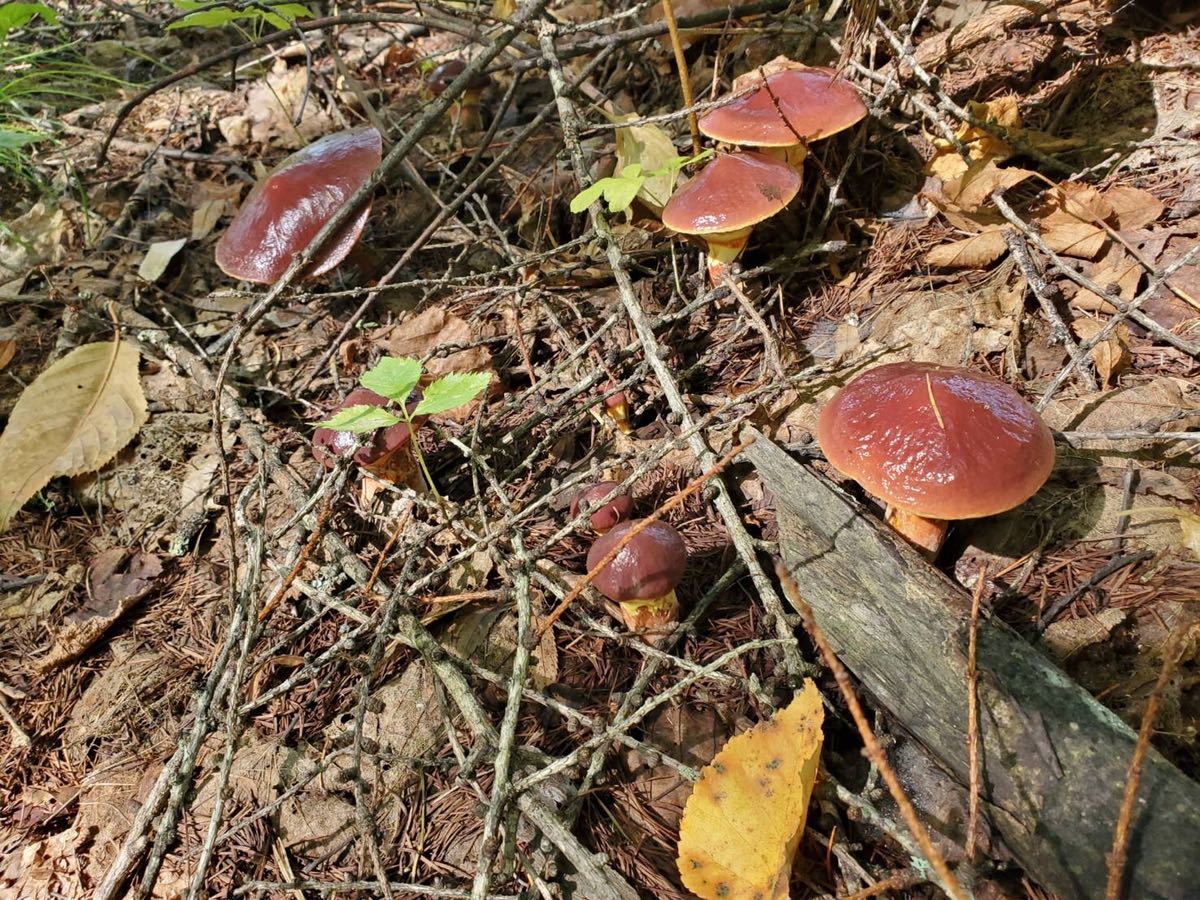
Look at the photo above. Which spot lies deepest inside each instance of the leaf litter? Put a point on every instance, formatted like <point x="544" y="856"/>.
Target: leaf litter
<point x="124" y="579"/>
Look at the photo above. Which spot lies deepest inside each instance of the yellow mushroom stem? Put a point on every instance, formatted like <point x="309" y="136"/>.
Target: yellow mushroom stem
<point x="465" y="112"/>
<point x="723" y="248"/>
<point x="653" y="614"/>
<point x="925" y="534"/>
<point x="794" y="155"/>
<point x="618" y="414"/>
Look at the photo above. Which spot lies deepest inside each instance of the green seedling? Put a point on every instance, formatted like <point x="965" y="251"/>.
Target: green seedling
<point x="620" y="190"/>
<point x="396" y="378"/>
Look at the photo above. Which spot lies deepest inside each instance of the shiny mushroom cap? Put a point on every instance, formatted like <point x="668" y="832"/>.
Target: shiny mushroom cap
<point x="734" y="191"/>
<point x="937" y="441"/>
<point x="439" y="79"/>
<point x="286" y="209"/>
<point x="815" y="102"/>
<point x="648" y="567"/>
<point x="329" y="444"/>
<point x="608" y="505"/>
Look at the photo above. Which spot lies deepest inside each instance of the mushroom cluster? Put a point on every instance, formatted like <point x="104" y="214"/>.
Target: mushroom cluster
<point x="289" y="207"/>
<point x="641" y="578"/>
<point x="936" y="444"/>
<point x="784" y="107"/>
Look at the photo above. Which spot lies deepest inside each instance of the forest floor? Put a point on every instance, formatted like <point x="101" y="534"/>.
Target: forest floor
<point x="225" y="669"/>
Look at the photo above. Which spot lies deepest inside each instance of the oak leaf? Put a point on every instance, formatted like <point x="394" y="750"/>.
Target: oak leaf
<point x="73" y="418"/>
<point x="744" y="820"/>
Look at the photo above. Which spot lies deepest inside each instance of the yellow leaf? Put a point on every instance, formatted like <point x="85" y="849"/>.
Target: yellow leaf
<point x="745" y="817"/>
<point x="503" y="9"/>
<point x="981" y="145"/>
<point x="650" y="147"/>
<point x="1111" y="355"/>
<point x="73" y="418"/>
<point x="969" y="253"/>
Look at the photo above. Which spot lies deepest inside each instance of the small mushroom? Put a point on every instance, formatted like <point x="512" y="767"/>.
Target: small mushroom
<point x="287" y="209"/>
<point x="795" y="106"/>
<point x="608" y="506"/>
<point x="616" y="407"/>
<point x="726" y="199"/>
<point x="643" y="576"/>
<point x="936" y="443"/>
<point x="388" y="454"/>
<point x="465" y="111"/>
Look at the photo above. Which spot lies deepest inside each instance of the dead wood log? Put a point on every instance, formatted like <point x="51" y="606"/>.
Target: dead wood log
<point x="1054" y="759"/>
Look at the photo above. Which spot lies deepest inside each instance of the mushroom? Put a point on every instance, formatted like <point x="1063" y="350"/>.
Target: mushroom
<point x="936" y="443"/>
<point x="726" y="199"/>
<point x="643" y="576"/>
<point x="607" y="505"/>
<point x="795" y="106"/>
<point x="616" y="407"/>
<point x="464" y="112"/>
<point x="284" y="211"/>
<point x="388" y="454"/>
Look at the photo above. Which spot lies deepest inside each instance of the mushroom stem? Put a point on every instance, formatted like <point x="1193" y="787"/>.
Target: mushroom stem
<point x="793" y="155"/>
<point x="925" y="534"/>
<point x="465" y="112"/>
<point x="653" y="614"/>
<point x="723" y="248"/>
<point x="618" y="413"/>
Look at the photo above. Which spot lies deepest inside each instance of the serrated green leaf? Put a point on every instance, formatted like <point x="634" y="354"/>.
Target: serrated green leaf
<point x="452" y="390"/>
<point x="18" y="15"/>
<point x="360" y="419"/>
<point x="587" y="196"/>
<point x="393" y="377"/>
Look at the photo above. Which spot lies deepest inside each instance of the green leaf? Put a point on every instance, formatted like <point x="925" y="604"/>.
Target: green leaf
<point x="651" y="149"/>
<point x="393" y="377"/>
<point x="360" y="419"/>
<point x="13" y="140"/>
<point x="280" y="16"/>
<point x="18" y="15"/>
<point x="587" y="196"/>
<point x="286" y="14"/>
<point x="621" y="192"/>
<point x="209" y="18"/>
<point x="452" y="390"/>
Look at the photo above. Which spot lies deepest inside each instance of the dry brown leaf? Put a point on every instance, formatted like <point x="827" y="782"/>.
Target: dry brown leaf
<point x="424" y="333"/>
<point x="1071" y="202"/>
<point x="1115" y="269"/>
<point x="73" y="418"/>
<point x="974" y="186"/>
<point x="1078" y="239"/>
<point x="650" y="147"/>
<point x="111" y="593"/>
<point x="1189" y="524"/>
<point x="8" y="349"/>
<point x="744" y="820"/>
<point x="1111" y="355"/>
<point x="969" y="253"/>
<point x="1133" y="207"/>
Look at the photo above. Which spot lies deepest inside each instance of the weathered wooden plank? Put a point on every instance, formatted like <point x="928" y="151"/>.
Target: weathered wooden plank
<point x="1054" y="759"/>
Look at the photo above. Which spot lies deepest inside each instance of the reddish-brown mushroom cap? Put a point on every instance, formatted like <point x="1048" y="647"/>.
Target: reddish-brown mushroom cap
<point x="608" y="505"/>
<point x="733" y="192"/>
<point x="388" y="453"/>
<point x="647" y="568"/>
<point x="937" y="441"/>
<point x="441" y="77"/>
<point x="286" y="209"/>
<point x="815" y="102"/>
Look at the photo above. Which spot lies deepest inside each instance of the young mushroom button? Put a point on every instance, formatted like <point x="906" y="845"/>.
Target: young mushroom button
<point x="726" y="199"/>
<point x="605" y="502"/>
<point x="936" y="443"/>
<point x="465" y="111"/>
<point x="286" y="210"/>
<point x="643" y="576"/>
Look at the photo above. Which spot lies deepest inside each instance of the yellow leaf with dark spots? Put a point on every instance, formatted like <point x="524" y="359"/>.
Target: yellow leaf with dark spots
<point x="745" y="817"/>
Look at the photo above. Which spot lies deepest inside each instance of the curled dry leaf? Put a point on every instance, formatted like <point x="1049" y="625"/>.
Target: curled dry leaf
<point x="1111" y="355"/>
<point x="745" y="817"/>
<point x="73" y="418"/>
